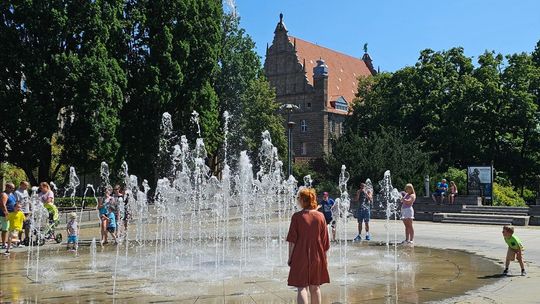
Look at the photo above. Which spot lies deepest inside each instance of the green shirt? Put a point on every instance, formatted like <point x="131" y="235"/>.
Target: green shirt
<point x="514" y="242"/>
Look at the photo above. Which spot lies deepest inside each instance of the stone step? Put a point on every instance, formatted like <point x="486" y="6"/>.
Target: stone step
<point x="470" y="200"/>
<point x="496" y="210"/>
<point x="517" y="220"/>
<point x="501" y="222"/>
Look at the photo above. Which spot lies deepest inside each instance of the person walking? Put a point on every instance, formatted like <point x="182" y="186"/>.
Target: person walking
<point x="308" y="244"/>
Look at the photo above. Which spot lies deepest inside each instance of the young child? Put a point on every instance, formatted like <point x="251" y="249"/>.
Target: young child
<point x="325" y="206"/>
<point x="515" y="249"/>
<point x="111" y="226"/>
<point x="16" y="220"/>
<point x="72" y="230"/>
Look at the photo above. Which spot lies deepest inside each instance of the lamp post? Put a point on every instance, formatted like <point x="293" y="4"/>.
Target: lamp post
<point x="290" y="124"/>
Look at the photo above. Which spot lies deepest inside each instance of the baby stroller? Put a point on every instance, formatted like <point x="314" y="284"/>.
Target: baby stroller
<point x="47" y="231"/>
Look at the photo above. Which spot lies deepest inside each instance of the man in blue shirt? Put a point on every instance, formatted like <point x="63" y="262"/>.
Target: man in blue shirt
<point x="325" y="206"/>
<point x="440" y="192"/>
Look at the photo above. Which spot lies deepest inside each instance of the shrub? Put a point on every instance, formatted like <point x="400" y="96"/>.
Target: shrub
<point x="506" y="196"/>
<point x="65" y="202"/>
<point x="529" y="196"/>
<point x="12" y="174"/>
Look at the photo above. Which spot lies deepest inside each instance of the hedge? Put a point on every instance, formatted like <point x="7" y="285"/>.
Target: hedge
<point x="63" y="202"/>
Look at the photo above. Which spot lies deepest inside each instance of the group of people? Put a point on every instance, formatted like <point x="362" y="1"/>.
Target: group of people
<point x="16" y="211"/>
<point x="442" y="190"/>
<point x="309" y="240"/>
<point x="364" y="200"/>
<point x="112" y="208"/>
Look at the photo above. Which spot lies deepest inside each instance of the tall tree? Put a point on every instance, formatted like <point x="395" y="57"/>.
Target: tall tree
<point x="89" y="133"/>
<point x="172" y="66"/>
<point x="245" y="93"/>
<point x="49" y="57"/>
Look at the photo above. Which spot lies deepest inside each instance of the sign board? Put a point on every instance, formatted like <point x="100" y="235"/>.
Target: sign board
<point x="480" y="181"/>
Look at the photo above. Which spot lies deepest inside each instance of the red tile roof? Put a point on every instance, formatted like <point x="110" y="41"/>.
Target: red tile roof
<point x="343" y="70"/>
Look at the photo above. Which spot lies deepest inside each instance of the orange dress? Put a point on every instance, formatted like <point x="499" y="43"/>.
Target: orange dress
<point x="309" y="234"/>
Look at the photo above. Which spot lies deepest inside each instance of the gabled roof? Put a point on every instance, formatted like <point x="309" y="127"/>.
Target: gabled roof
<point x="343" y="70"/>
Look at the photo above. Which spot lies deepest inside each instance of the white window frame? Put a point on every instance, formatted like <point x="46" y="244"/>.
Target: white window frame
<point x="303" y="126"/>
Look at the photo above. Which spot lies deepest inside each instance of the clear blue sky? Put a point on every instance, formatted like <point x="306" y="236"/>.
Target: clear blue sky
<point x="396" y="30"/>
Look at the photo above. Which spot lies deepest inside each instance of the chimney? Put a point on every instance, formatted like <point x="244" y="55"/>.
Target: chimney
<point x="320" y="80"/>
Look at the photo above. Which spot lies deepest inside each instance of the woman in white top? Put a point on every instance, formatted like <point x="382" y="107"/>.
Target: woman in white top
<point x="407" y="212"/>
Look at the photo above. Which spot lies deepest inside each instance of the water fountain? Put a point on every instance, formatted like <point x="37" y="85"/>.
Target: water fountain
<point x="204" y="232"/>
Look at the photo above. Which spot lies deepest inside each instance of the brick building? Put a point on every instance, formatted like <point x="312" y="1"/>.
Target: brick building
<point x="320" y="81"/>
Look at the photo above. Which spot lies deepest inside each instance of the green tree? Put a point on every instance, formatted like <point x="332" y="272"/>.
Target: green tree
<point x="89" y="133"/>
<point x="172" y="66"/>
<point x="370" y="156"/>
<point x="462" y="114"/>
<point x="260" y="115"/>
<point x="58" y="77"/>
<point x="244" y="92"/>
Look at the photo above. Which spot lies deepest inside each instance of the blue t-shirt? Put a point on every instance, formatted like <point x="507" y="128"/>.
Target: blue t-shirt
<point x="10" y="204"/>
<point x="442" y="187"/>
<point x="112" y="220"/>
<point x="326" y="208"/>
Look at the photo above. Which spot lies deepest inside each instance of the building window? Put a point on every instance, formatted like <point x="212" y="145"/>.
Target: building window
<point x="332" y="127"/>
<point x="341" y="104"/>
<point x="303" y="125"/>
<point x="309" y="105"/>
<point x="341" y="129"/>
<point x="304" y="149"/>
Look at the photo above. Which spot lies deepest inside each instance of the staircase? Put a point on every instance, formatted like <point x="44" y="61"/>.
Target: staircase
<point x="517" y="216"/>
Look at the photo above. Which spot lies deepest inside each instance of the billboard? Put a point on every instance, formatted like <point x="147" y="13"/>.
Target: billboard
<point x="480" y="181"/>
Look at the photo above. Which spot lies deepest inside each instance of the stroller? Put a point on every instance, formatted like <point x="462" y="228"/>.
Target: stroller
<point x="45" y="232"/>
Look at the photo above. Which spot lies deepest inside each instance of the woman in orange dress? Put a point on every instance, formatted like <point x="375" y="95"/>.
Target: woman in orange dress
<point x="308" y="244"/>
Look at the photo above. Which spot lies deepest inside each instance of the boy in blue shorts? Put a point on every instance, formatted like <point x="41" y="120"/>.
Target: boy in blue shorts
<point x="363" y="214"/>
<point x="72" y="230"/>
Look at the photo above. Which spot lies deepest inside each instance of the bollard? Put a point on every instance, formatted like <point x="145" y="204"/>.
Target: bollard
<point x="426" y="185"/>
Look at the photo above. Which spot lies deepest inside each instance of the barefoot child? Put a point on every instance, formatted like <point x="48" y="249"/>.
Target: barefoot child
<point x="515" y="249"/>
<point x="72" y="231"/>
<point x="111" y="226"/>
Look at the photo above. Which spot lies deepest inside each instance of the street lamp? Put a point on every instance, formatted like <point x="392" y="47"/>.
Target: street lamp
<point x="290" y="124"/>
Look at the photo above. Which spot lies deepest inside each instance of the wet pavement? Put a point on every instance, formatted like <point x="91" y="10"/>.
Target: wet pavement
<point x="424" y="273"/>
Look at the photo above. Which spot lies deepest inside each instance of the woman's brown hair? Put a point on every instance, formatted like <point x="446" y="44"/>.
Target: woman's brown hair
<point x="308" y="198"/>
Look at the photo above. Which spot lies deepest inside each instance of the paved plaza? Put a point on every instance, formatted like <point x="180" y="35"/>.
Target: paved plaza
<point x="483" y="240"/>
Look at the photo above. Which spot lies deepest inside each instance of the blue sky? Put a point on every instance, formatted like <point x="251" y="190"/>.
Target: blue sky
<point x="396" y="30"/>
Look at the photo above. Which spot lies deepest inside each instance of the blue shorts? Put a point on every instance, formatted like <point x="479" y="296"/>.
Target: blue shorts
<point x="363" y="215"/>
<point x="72" y="239"/>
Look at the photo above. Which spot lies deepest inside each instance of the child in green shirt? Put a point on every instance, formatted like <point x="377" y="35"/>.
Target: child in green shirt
<point x="515" y="249"/>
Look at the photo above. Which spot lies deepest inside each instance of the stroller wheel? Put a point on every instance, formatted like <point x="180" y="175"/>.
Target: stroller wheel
<point x="41" y="242"/>
<point x="58" y="238"/>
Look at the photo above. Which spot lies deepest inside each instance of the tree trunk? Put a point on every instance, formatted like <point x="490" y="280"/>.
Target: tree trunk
<point x="45" y="157"/>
